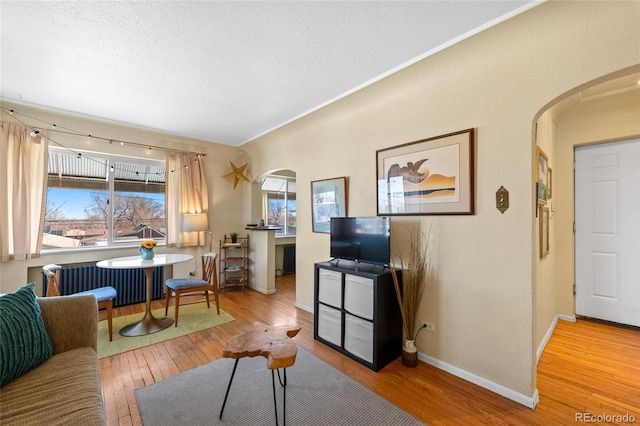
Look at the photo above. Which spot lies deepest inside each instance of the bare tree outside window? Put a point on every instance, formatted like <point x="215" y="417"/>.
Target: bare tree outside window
<point x="129" y="211"/>
<point x="276" y="212"/>
<point x="53" y="210"/>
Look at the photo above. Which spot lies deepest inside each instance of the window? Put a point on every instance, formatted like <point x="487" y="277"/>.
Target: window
<point x="99" y="200"/>
<point x="280" y="203"/>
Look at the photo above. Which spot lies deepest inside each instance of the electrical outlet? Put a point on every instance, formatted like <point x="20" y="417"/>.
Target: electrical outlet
<point x="429" y="326"/>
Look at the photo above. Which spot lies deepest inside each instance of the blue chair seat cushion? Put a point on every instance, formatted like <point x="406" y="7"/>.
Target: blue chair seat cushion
<point x="101" y="293"/>
<point x="180" y="283"/>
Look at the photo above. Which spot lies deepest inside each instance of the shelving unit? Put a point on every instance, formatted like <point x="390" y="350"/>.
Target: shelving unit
<point x="234" y="263"/>
<point x="356" y="312"/>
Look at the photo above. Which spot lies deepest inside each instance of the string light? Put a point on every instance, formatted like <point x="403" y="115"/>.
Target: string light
<point x="55" y="128"/>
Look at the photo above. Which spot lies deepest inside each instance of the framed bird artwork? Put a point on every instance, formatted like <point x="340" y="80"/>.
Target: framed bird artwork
<point x="432" y="176"/>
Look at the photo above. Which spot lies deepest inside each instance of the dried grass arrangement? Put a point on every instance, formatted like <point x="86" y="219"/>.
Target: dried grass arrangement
<point x="417" y="273"/>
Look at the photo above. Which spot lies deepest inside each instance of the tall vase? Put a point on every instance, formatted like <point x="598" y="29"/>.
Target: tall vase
<point x="146" y="253"/>
<point x="409" y="353"/>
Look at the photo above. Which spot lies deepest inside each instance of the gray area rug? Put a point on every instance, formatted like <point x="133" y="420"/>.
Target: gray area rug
<point x="317" y="394"/>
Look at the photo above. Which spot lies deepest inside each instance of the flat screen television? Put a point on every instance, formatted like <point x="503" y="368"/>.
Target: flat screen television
<point x="363" y="239"/>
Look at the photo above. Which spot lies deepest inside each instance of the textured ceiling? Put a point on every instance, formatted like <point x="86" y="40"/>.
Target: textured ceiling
<point x="224" y="72"/>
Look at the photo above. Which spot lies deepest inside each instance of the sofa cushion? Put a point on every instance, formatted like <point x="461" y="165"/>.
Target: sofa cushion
<point x="65" y="390"/>
<point x="24" y="343"/>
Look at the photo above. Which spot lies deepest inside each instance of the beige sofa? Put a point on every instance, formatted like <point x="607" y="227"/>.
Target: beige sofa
<point x="66" y="389"/>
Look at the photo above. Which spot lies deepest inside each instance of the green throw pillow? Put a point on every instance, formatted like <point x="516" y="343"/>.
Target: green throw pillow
<point x="24" y="342"/>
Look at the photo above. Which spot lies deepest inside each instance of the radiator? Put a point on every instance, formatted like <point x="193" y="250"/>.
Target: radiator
<point x="289" y="261"/>
<point x="129" y="283"/>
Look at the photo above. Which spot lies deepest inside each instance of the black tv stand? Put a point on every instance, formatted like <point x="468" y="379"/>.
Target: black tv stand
<point x="356" y="311"/>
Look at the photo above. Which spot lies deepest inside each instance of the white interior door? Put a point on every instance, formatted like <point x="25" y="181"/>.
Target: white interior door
<point x="607" y="244"/>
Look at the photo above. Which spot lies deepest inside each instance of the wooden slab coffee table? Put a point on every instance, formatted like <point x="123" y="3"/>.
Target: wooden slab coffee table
<point x="271" y="342"/>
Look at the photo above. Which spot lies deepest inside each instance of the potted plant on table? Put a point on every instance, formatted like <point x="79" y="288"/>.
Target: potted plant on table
<point x="234" y="237"/>
<point x="417" y="273"/>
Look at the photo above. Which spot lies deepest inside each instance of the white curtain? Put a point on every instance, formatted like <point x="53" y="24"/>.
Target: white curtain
<point x="265" y="207"/>
<point x="23" y="182"/>
<point x="186" y="192"/>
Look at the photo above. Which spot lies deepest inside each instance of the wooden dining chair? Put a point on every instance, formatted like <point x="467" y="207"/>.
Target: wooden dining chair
<point x="208" y="283"/>
<point x="104" y="295"/>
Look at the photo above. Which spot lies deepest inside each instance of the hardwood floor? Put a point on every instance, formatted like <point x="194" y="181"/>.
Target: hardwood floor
<point x="586" y="367"/>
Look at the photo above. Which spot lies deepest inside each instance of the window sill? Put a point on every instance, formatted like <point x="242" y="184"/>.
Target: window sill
<point x="285" y="240"/>
<point x="91" y="248"/>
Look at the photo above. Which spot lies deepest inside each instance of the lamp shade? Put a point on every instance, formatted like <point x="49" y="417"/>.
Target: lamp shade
<point x="192" y="222"/>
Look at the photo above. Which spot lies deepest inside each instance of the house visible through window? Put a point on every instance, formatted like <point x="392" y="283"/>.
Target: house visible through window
<point x="99" y="200"/>
<point x="279" y="193"/>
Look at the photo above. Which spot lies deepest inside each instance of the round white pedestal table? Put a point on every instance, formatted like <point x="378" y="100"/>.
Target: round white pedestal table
<point x="148" y="324"/>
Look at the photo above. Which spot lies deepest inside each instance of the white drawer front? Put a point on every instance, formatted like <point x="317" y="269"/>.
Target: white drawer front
<point x="330" y="324"/>
<point x="330" y="287"/>
<point x="358" y="337"/>
<point x="358" y="296"/>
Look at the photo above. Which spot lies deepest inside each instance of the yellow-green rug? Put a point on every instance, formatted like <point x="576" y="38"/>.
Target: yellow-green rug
<point x="193" y="317"/>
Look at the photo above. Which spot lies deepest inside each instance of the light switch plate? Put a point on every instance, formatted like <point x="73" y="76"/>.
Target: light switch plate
<point x="502" y="199"/>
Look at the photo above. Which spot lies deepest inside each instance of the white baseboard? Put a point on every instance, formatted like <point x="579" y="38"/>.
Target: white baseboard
<point x="304" y="307"/>
<point x="546" y="338"/>
<point x="527" y="401"/>
<point x="267" y="292"/>
<point x="570" y="318"/>
<point x="549" y="332"/>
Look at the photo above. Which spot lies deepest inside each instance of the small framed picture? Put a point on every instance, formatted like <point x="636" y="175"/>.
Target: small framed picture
<point x="328" y="199"/>
<point x="544" y="231"/>
<point x="542" y="176"/>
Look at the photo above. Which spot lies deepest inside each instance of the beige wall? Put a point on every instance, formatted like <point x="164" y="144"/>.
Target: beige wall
<point x="497" y="82"/>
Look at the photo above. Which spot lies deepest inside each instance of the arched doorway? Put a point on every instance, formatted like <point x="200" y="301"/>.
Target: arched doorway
<point x="275" y="204"/>
<point x="604" y="111"/>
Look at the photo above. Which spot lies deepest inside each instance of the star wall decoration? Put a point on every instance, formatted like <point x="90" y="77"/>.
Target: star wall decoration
<point x="237" y="174"/>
